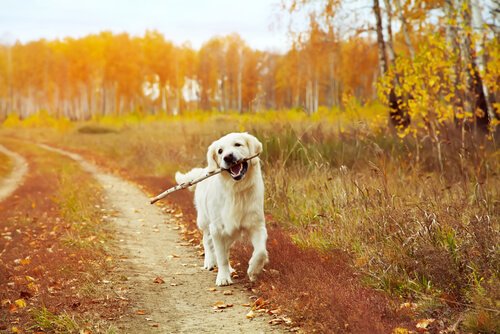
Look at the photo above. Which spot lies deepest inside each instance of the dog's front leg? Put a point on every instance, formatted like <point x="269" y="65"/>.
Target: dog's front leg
<point x="221" y="254"/>
<point x="259" y="256"/>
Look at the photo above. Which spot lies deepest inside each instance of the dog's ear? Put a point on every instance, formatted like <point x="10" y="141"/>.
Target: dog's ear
<point x="254" y="145"/>
<point x="212" y="158"/>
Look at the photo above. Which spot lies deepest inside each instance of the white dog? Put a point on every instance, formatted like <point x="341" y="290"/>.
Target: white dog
<point x="231" y="204"/>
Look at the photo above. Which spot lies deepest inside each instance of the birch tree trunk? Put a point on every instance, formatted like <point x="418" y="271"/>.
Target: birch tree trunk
<point x="452" y="41"/>
<point x="478" y="23"/>
<point x="390" y="46"/>
<point x="404" y="28"/>
<point x="240" y="79"/>
<point x="475" y="97"/>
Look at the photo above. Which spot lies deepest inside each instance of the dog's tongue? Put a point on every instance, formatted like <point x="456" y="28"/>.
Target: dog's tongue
<point x="236" y="169"/>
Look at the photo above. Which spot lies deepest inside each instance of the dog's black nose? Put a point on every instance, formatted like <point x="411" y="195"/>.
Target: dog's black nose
<point x="229" y="158"/>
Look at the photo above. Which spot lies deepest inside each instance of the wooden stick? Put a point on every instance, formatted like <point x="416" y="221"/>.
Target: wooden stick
<point x="195" y="181"/>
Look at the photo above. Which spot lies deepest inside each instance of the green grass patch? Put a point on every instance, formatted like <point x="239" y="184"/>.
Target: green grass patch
<point x="55" y="323"/>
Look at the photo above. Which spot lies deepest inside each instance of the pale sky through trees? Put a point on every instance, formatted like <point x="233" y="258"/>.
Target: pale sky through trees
<point x="195" y="21"/>
<point x="261" y="23"/>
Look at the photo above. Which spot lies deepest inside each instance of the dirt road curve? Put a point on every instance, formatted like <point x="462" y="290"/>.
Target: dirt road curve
<point x="152" y="247"/>
<point x="15" y="178"/>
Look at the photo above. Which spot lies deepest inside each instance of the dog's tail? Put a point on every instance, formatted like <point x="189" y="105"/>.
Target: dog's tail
<point x="189" y="176"/>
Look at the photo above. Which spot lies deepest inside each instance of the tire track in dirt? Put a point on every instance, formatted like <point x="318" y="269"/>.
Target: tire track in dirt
<point x="16" y="176"/>
<point x="152" y="247"/>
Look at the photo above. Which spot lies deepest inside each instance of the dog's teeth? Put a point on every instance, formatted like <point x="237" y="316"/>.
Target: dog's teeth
<point x="238" y="171"/>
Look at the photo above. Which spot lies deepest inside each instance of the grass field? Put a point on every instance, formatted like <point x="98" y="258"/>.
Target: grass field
<point x="410" y="229"/>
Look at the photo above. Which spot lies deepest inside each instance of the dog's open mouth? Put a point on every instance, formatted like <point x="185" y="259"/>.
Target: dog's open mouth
<point x="238" y="171"/>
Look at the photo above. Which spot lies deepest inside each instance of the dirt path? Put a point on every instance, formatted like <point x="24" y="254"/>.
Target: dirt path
<point x="152" y="247"/>
<point x="16" y="176"/>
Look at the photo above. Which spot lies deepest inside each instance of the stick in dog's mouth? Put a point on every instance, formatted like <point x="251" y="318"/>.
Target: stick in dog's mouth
<point x="238" y="170"/>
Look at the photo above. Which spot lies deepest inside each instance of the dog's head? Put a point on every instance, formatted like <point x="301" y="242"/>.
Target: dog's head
<point x="229" y="151"/>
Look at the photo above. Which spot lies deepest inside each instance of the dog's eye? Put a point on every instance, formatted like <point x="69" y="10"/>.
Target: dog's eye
<point x="220" y="151"/>
<point x="237" y="144"/>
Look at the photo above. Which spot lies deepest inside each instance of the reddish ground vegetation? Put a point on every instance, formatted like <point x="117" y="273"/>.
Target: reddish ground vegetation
<point x="321" y="291"/>
<point x="37" y="268"/>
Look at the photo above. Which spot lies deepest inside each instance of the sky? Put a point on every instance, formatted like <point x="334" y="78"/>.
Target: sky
<point x="194" y="21"/>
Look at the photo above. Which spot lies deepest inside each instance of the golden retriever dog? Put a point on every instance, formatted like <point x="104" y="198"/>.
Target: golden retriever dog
<point x="231" y="204"/>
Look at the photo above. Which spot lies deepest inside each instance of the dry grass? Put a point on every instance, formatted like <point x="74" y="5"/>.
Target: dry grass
<point x="5" y="165"/>
<point x="408" y="228"/>
<point x="412" y="231"/>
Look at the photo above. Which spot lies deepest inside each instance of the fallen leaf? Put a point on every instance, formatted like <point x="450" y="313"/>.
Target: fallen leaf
<point x="259" y="303"/>
<point x="21" y="303"/>
<point x="25" y="261"/>
<point x="173" y="284"/>
<point x="227" y="293"/>
<point x="33" y="287"/>
<point x="250" y="315"/>
<point x="408" y="306"/>
<point x="423" y="324"/>
<point x="140" y="312"/>
<point x="274" y="272"/>
<point x="212" y="289"/>
<point x="158" y="280"/>
<point x="221" y="305"/>
<point x="276" y="321"/>
<point x="155" y="325"/>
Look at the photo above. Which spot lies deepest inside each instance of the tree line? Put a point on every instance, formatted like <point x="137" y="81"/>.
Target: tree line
<point x="110" y="73"/>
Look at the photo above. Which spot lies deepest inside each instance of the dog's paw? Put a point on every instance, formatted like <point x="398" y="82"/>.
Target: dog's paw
<point x="256" y="265"/>
<point x="223" y="280"/>
<point x="209" y="264"/>
<point x="209" y="267"/>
